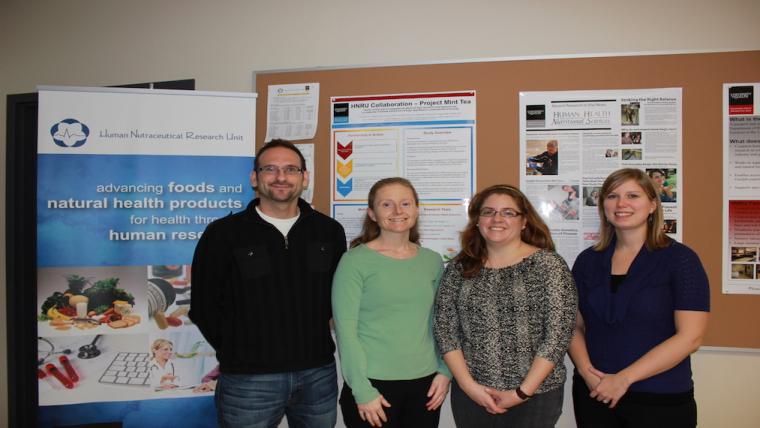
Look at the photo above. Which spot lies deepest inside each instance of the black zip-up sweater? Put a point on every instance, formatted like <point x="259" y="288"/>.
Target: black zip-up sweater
<point x="263" y="300"/>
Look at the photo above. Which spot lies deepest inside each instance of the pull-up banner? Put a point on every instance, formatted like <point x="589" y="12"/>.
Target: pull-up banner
<point x="127" y="182"/>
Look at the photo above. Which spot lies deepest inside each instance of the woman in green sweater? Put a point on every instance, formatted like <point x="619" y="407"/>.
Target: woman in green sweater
<point x="382" y="297"/>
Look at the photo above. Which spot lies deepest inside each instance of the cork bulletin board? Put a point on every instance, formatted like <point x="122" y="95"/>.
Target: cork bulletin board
<point x="734" y="318"/>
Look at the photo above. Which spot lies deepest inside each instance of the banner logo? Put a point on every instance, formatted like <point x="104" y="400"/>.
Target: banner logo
<point x="740" y="100"/>
<point x="535" y="116"/>
<point x="70" y="133"/>
<point x="340" y="113"/>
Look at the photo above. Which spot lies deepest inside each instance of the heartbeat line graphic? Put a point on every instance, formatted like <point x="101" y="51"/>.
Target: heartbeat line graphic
<point x="67" y="135"/>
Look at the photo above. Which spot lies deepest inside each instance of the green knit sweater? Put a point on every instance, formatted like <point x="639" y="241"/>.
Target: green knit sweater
<point x="382" y="309"/>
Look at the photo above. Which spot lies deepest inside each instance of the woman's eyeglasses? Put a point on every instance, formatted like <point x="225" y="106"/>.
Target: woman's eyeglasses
<point x="505" y="212"/>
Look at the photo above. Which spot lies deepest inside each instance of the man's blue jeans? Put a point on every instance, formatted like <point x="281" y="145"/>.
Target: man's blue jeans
<point x="308" y="398"/>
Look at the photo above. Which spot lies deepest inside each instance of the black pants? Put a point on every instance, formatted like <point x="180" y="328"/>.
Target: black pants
<point x="541" y="411"/>
<point x="407" y="399"/>
<point x="634" y="410"/>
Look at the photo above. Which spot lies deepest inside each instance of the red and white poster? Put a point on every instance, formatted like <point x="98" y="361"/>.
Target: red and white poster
<point x="741" y="188"/>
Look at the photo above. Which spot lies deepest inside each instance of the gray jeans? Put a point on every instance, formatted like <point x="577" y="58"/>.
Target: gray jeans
<point x="541" y="411"/>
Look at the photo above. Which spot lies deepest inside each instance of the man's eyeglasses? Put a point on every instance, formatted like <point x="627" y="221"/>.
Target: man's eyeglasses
<point x="275" y="170"/>
<point x="506" y="213"/>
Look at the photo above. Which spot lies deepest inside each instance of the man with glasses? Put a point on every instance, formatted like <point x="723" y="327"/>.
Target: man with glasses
<point x="261" y="297"/>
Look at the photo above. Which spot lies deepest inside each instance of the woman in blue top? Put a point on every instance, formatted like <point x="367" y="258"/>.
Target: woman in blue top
<point x="643" y="309"/>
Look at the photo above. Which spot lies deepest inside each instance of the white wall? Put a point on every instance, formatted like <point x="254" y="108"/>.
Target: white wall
<point x="727" y="387"/>
<point x="92" y="43"/>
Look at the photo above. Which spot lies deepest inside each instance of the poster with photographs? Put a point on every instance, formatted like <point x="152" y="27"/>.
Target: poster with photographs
<point x="741" y="188"/>
<point x="571" y="140"/>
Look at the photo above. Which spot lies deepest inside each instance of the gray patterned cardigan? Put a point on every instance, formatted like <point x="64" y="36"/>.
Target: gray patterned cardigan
<point x="503" y="318"/>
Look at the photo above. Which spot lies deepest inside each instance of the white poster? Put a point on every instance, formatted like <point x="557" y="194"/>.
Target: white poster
<point x="428" y="138"/>
<point x="741" y="188"/>
<point x="292" y="111"/>
<point x="307" y="150"/>
<point x="570" y="141"/>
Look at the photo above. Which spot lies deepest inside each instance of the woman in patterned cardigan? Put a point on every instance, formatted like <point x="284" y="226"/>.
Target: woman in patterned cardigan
<point x="505" y="313"/>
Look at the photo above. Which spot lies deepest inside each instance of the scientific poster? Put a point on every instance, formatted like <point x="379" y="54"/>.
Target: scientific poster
<point x="570" y="141"/>
<point x="427" y="138"/>
<point x="127" y="182"/>
<point x="741" y="188"/>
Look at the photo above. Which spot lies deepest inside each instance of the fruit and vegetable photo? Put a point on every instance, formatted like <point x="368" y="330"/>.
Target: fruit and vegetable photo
<point x="92" y="300"/>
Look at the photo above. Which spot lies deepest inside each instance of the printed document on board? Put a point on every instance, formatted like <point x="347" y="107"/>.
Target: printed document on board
<point x="292" y="111"/>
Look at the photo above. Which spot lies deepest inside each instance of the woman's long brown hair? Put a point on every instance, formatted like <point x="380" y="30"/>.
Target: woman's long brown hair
<point x="474" y="253"/>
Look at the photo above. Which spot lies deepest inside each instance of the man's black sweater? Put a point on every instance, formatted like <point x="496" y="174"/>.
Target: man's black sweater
<point x="263" y="300"/>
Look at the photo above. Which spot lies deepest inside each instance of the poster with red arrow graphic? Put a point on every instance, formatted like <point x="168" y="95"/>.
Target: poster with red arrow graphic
<point x="428" y="138"/>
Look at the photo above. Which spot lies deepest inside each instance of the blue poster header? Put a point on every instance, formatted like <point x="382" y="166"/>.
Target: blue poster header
<point x="116" y="210"/>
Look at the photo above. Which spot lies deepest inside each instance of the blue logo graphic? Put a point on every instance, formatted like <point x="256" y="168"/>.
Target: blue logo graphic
<point x="70" y="133"/>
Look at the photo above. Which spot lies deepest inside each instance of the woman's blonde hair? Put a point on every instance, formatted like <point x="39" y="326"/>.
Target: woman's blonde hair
<point x="656" y="237"/>
<point x="159" y="343"/>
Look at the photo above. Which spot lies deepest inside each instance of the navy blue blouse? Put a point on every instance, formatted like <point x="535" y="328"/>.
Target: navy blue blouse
<point x="623" y="326"/>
